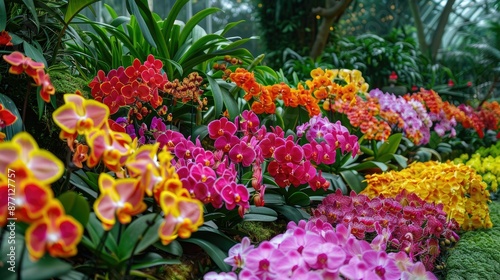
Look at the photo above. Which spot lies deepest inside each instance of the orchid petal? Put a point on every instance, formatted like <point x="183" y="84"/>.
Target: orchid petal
<point x="45" y="166"/>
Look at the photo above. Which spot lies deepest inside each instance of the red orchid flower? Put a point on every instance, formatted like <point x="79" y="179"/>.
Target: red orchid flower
<point x="5" y="39"/>
<point x="6" y="117"/>
<point x="55" y="232"/>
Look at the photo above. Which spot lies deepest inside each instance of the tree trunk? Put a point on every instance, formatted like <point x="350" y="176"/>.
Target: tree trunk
<point x="330" y="13"/>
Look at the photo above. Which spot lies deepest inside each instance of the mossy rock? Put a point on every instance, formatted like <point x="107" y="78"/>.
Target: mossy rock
<point x="477" y="254"/>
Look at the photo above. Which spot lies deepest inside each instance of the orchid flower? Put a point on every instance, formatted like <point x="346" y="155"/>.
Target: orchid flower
<point x="121" y="198"/>
<point x="55" y="232"/>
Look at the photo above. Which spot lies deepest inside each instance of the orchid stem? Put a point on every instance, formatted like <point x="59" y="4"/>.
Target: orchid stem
<point x="25" y="105"/>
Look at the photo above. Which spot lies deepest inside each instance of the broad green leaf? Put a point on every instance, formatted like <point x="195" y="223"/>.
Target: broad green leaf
<point x="291" y="213"/>
<point x="75" y="205"/>
<point x="217" y="95"/>
<point x="192" y="22"/>
<point x="366" y="165"/>
<point x="145" y="27"/>
<point x="172" y="16"/>
<point x="74" y="7"/>
<point x="298" y="198"/>
<point x="153" y="259"/>
<point x="391" y="145"/>
<point x="354" y="181"/>
<point x="215" y="236"/>
<point x="200" y="132"/>
<point x="96" y="232"/>
<point x="3" y="15"/>
<point x="228" y="27"/>
<point x="173" y="248"/>
<point x="45" y="268"/>
<point x="401" y="160"/>
<point x="262" y="214"/>
<point x="34" y="53"/>
<point x="213" y="251"/>
<point x="273" y="199"/>
<point x="147" y="225"/>
<point x="31" y="7"/>
<point x="231" y="104"/>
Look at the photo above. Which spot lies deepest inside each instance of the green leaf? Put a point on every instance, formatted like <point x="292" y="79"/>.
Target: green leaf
<point x="146" y="32"/>
<point x="217" y="94"/>
<point x="153" y="259"/>
<point x="192" y="22"/>
<point x="391" y="145"/>
<point x="261" y="214"/>
<point x="354" y="181"/>
<point x="45" y="268"/>
<point x="213" y="251"/>
<point x="215" y="236"/>
<point x="401" y="160"/>
<point x="74" y="7"/>
<point x="231" y="104"/>
<point x="34" y="53"/>
<point x="273" y="199"/>
<point x="31" y="7"/>
<point x="134" y="232"/>
<point x="173" y="248"/>
<point x="96" y="232"/>
<point x="298" y="198"/>
<point x="3" y="15"/>
<point x="366" y="165"/>
<point x="291" y="213"/>
<point x="76" y="206"/>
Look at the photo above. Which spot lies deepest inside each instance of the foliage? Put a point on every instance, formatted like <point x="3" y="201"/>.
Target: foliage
<point x="182" y="46"/>
<point x="459" y="187"/>
<point x="475" y="250"/>
<point x="286" y="25"/>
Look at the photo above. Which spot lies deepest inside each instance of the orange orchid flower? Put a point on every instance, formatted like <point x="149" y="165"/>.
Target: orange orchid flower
<point x="121" y="198"/>
<point x="80" y="115"/>
<point x="55" y="232"/>
<point x="112" y="147"/>
<point x="20" y="63"/>
<point x="80" y="155"/>
<point x="42" y="164"/>
<point x="183" y="215"/>
<point x="43" y="79"/>
<point x="6" y="117"/>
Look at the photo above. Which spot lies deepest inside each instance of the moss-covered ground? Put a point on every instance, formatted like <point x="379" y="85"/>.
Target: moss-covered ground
<point x="477" y="254"/>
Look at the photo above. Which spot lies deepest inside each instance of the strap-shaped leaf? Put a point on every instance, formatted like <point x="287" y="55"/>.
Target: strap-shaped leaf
<point x="192" y="22"/>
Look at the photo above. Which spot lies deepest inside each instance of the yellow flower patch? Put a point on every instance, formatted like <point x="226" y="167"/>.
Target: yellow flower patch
<point x="457" y="186"/>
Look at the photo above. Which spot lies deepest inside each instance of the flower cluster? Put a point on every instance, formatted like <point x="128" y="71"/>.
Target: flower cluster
<point x="442" y="114"/>
<point x="415" y="122"/>
<point x="317" y="250"/>
<point x="187" y="90"/>
<point x="132" y="86"/>
<point x="412" y="225"/>
<point x="22" y="64"/>
<point x="458" y="187"/>
<point x="146" y="170"/>
<point x="486" y="162"/>
<point x="26" y="195"/>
